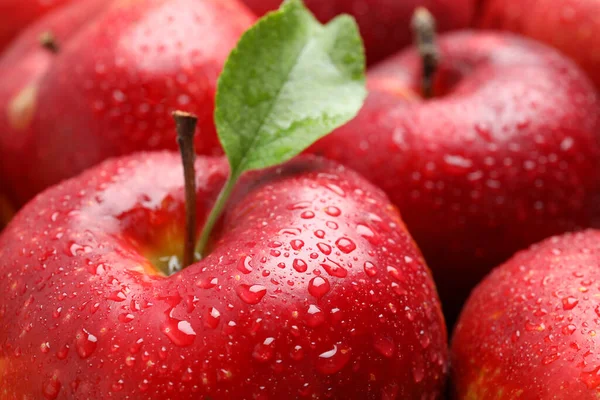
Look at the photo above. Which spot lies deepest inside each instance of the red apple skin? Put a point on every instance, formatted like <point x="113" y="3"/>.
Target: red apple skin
<point x="313" y="289"/>
<point x="528" y="331"/>
<point x="112" y="86"/>
<point x="506" y="155"/>
<point x="569" y="25"/>
<point x="384" y="24"/>
<point x="15" y="15"/>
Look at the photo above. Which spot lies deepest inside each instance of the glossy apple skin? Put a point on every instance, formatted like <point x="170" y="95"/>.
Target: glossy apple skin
<point x="112" y="86"/>
<point x="384" y="24"/>
<point x="508" y="153"/>
<point x="313" y="288"/>
<point x="15" y="15"/>
<point x="569" y="25"/>
<point x="529" y="329"/>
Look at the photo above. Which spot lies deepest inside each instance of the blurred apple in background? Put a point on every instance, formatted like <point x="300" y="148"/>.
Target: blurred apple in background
<point x="106" y="87"/>
<point x="15" y="15"/>
<point x="384" y="24"/>
<point x="571" y="26"/>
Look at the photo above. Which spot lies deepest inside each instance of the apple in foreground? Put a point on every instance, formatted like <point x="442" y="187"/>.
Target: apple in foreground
<point x="384" y="24"/>
<point x="313" y="288"/>
<point x="529" y="330"/>
<point x="119" y="69"/>
<point x="571" y="26"/>
<point x="15" y="15"/>
<point x="505" y="153"/>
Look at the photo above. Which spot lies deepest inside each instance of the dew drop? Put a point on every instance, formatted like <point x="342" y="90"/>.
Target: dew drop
<point x="384" y="346"/>
<point x="307" y="214"/>
<point x="85" y="343"/>
<point x="591" y="378"/>
<point x="333" y="211"/>
<point x="370" y="269"/>
<point x="297" y="244"/>
<point x="314" y="316"/>
<point x="180" y="333"/>
<point x="334" y="269"/>
<point x="332" y="361"/>
<point x="263" y="352"/>
<point x="244" y="265"/>
<point x="345" y="245"/>
<point x="297" y="353"/>
<point x="207" y="283"/>
<point x="569" y="303"/>
<point x="318" y="286"/>
<point x="51" y="389"/>
<point x="300" y="265"/>
<point x="212" y="318"/>
<point x="325" y="248"/>
<point x="251" y="294"/>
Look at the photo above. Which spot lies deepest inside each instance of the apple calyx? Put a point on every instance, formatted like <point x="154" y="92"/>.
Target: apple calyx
<point x="186" y="129"/>
<point x="48" y="41"/>
<point x="424" y="30"/>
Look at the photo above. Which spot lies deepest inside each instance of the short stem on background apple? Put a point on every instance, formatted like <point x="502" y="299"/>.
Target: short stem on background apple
<point x="423" y="25"/>
<point x="49" y="42"/>
<point x="215" y="213"/>
<point x="186" y="128"/>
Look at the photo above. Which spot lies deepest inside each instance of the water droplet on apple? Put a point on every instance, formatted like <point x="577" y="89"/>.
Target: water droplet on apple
<point x="307" y="214"/>
<point x="263" y="352"/>
<point x="244" y="265"/>
<point x="333" y="211"/>
<point x="591" y="378"/>
<point x="333" y="360"/>
<point x="63" y="352"/>
<point x="299" y="265"/>
<point x="51" y="389"/>
<point x="126" y="317"/>
<point x="318" y="286"/>
<point x="345" y="245"/>
<point x="179" y="332"/>
<point x="251" y="294"/>
<point x="325" y="248"/>
<point x="370" y="269"/>
<point x="314" y="316"/>
<point x="207" y="282"/>
<point x="297" y="353"/>
<point x="85" y="343"/>
<point x="297" y="244"/>
<point x="299" y="205"/>
<point x="334" y="269"/>
<point x="569" y="303"/>
<point x="384" y="346"/>
<point x="212" y="318"/>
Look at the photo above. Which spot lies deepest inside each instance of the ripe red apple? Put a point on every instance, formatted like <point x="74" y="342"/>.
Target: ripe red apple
<point x="506" y="153"/>
<point x="384" y="24"/>
<point x="571" y="26"/>
<point x="15" y="15"/>
<point x="111" y="85"/>
<point x="313" y="288"/>
<point x="529" y="330"/>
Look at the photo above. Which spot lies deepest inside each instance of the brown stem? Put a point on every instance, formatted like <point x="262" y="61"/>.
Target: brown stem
<point x="49" y="42"/>
<point x="423" y="25"/>
<point x="186" y="128"/>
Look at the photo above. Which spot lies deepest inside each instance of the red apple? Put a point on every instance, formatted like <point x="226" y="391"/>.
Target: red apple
<point x="15" y="15"/>
<point x="505" y="154"/>
<point x="384" y="24"/>
<point x="313" y="288"/>
<point x="571" y="26"/>
<point x="529" y="330"/>
<point x="110" y="87"/>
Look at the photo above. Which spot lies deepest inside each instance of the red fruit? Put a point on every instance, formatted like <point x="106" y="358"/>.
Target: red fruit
<point x="529" y="330"/>
<point x="384" y="24"/>
<point x="112" y="85"/>
<point x="313" y="288"/>
<point x="506" y="154"/>
<point x="15" y="15"/>
<point x="571" y="26"/>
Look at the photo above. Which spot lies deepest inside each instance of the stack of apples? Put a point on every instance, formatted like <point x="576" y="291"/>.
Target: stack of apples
<point x="250" y="199"/>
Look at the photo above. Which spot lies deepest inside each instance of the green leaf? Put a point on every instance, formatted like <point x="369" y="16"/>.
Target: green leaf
<point x="289" y="82"/>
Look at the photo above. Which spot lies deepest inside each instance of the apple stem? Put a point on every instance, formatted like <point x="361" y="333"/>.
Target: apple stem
<point x="186" y="129"/>
<point x="215" y="213"/>
<point x="49" y="42"/>
<point x="423" y="25"/>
